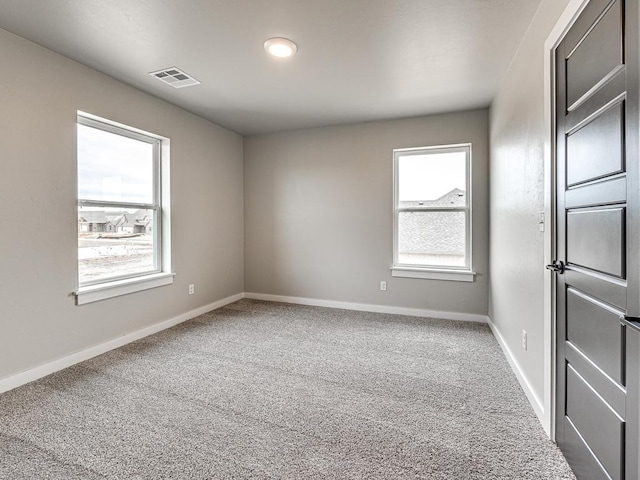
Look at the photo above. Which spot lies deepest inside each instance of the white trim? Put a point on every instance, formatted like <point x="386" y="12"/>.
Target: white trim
<point x="367" y="307"/>
<point x="102" y="291"/>
<point x="119" y="126"/>
<point x="14" y="381"/>
<point x="432" y="274"/>
<point x="534" y="400"/>
<point x="568" y="17"/>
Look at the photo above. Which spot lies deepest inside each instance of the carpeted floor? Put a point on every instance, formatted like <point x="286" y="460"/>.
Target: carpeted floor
<point x="269" y="390"/>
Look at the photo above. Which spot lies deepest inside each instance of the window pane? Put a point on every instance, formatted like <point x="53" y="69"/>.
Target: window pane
<point x="432" y="178"/>
<point x="112" y="167"/>
<point x="114" y="242"/>
<point x="432" y="238"/>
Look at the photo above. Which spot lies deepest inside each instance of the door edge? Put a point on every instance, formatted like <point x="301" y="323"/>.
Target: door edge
<point x="566" y="20"/>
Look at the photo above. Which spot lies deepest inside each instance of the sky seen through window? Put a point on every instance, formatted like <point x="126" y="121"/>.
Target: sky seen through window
<point x="113" y="167"/>
<point x="430" y="176"/>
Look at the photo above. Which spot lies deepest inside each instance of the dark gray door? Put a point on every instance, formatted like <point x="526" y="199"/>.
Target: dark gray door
<point x="595" y="115"/>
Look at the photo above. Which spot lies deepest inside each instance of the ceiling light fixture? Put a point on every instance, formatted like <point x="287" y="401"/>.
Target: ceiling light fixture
<point x="280" y="47"/>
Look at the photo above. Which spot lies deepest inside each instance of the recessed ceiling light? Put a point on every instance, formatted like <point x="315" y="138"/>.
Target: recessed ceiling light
<point x="280" y="47"/>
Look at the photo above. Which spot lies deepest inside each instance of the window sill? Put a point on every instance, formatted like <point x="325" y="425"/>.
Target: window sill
<point x="433" y="274"/>
<point x="95" y="293"/>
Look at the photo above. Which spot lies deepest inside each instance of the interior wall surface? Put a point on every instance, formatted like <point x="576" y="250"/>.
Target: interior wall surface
<point x="319" y="213"/>
<point x="517" y="132"/>
<point x="40" y="95"/>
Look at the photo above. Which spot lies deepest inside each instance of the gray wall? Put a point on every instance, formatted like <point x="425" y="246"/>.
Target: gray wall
<point x="517" y="198"/>
<point x="319" y="213"/>
<point x="40" y="93"/>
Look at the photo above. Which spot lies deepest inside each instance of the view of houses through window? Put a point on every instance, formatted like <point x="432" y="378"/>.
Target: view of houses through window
<point x="118" y="203"/>
<point x="114" y="242"/>
<point x="432" y="212"/>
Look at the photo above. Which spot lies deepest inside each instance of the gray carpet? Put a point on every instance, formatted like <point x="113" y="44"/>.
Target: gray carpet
<point x="269" y="390"/>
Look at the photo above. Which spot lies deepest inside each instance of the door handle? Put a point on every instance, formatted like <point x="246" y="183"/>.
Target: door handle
<point x="557" y="266"/>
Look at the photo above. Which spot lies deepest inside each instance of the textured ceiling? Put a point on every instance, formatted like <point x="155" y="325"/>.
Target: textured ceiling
<point x="357" y="60"/>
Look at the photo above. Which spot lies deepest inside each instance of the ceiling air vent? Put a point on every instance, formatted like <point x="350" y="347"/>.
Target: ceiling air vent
<point x="175" y="77"/>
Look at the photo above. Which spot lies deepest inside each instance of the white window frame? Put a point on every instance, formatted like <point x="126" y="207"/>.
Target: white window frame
<point x="160" y="274"/>
<point x="456" y="273"/>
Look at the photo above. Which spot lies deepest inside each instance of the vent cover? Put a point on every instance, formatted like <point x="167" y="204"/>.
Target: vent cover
<point x="175" y="77"/>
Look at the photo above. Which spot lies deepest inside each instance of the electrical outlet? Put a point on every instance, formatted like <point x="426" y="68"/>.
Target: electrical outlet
<point x="383" y="286"/>
<point x="524" y="339"/>
<point x="192" y="289"/>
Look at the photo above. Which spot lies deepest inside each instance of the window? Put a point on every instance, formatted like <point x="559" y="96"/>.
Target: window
<point x="120" y="214"/>
<point x="432" y="213"/>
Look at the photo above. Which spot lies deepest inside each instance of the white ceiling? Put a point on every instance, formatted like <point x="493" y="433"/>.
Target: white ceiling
<point x="357" y="60"/>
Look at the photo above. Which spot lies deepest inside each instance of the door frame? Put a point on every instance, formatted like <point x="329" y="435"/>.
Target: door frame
<point x="566" y="20"/>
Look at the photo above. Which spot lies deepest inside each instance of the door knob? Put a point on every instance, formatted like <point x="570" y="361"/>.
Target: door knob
<point x="557" y="266"/>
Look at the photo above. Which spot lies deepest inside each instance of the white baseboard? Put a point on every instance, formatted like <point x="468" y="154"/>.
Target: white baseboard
<point x="13" y="381"/>
<point x="536" y="403"/>
<point x="366" y="307"/>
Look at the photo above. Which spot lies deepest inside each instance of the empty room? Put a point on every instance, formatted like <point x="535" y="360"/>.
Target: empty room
<point x="304" y="239"/>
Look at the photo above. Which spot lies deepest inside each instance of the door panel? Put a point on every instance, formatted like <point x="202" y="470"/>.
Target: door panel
<point x="593" y="107"/>
<point x="594" y="328"/>
<point x="588" y="17"/>
<point x="595" y="150"/>
<point x="610" y="191"/>
<point x="614" y="394"/>
<point x="595" y="239"/>
<point x="582" y="460"/>
<point x="597" y="423"/>
<point x="609" y="94"/>
<point x="610" y="290"/>
<point x="596" y="55"/>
